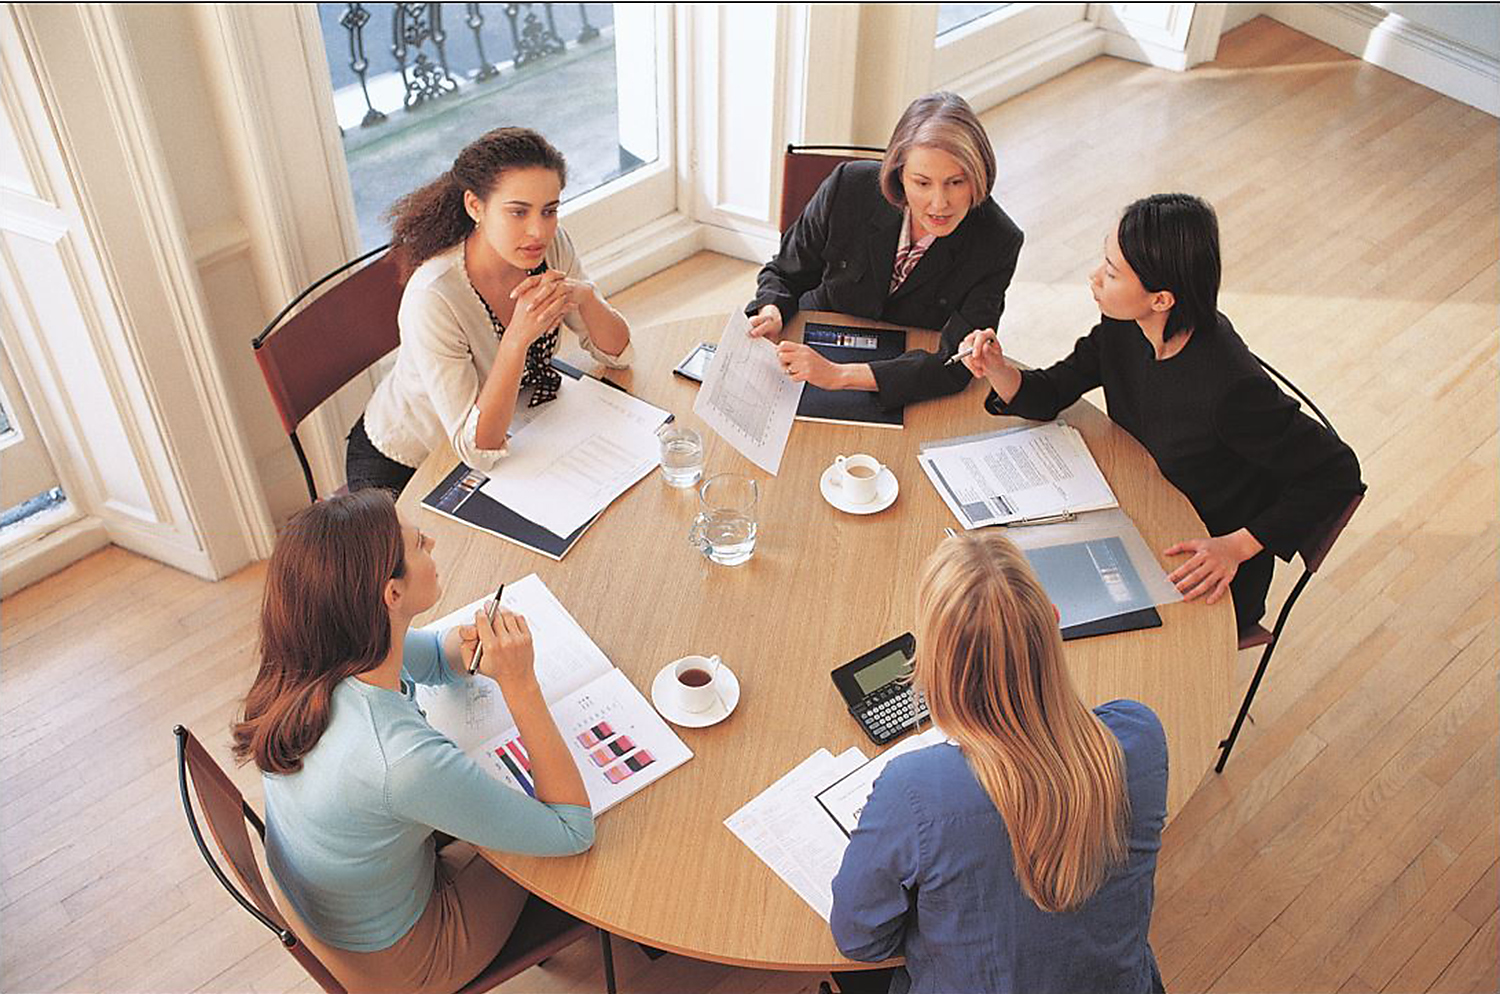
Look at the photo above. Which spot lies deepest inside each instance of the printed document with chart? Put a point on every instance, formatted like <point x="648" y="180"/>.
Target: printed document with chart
<point x="746" y="397"/>
<point x="618" y="741"/>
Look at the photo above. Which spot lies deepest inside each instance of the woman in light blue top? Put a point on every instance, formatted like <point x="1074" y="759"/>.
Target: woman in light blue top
<point x="1020" y="856"/>
<point x="357" y="782"/>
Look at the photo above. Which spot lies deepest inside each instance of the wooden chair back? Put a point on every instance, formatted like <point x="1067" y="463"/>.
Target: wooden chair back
<point x="226" y="812"/>
<point x="805" y="167"/>
<point x="307" y="356"/>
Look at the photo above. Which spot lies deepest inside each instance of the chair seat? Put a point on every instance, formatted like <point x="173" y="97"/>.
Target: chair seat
<point x="1254" y="636"/>
<point x="541" y="932"/>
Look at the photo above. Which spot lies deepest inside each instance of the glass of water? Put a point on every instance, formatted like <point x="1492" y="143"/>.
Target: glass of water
<point x="681" y="455"/>
<point x="724" y="530"/>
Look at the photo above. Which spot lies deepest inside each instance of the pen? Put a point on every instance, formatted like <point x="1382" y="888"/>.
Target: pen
<point x="489" y="615"/>
<point x="960" y="355"/>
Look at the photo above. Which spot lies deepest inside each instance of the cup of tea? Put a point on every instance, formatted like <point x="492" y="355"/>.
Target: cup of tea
<point x="697" y="682"/>
<point x="857" y="477"/>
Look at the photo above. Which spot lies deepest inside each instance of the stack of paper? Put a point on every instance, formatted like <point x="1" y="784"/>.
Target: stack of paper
<point x="571" y="457"/>
<point x="799" y="826"/>
<point x="619" y="743"/>
<point x="1014" y="477"/>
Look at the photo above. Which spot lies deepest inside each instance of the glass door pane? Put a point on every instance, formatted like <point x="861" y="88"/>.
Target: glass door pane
<point x="415" y="82"/>
<point x="28" y="480"/>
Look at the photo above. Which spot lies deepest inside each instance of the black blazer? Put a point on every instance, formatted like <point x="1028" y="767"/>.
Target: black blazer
<point x="839" y="257"/>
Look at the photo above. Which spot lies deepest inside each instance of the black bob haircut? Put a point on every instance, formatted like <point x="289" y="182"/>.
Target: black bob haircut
<point x="1171" y="240"/>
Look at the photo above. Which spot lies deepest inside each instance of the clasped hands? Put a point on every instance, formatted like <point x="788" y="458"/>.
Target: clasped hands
<point x="541" y="302"/>
<point x="800" y="362"/>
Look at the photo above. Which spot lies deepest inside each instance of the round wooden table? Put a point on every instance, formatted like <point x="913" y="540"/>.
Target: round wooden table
<point x="823" y="587"/>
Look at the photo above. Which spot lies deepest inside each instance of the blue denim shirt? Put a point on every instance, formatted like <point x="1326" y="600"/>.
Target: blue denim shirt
<point x="929" y="875"/>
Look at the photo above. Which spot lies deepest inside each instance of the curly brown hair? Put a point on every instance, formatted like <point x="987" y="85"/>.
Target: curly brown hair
<point x="433" y="218"/>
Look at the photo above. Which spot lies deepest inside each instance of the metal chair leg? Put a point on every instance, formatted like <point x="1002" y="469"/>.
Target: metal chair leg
<point x="609" y="961"/>
<point x="1227" y="745"/>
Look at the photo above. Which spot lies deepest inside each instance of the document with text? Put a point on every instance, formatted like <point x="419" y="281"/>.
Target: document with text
<point x="572" y="459"/>
<point x="746" y="397"/>
<point x="1017" y="476"/>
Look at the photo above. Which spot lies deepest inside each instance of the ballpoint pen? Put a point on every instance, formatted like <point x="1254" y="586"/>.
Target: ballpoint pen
<point x="960" y="355"/>
<point x="489" y="615"/>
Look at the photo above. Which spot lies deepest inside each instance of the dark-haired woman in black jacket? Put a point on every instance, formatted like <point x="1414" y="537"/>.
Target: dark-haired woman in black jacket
<point x="1261" y="474"/>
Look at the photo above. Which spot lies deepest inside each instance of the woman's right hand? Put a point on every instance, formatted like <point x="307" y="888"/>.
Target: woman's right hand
<point x="538" y="311"/>
<point x="508" y="655"/>
<point x="988" y="361"/>
<point x="766" y="323"/>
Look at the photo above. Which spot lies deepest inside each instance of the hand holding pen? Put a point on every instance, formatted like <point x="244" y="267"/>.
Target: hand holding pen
<point x="489" y="618"/>
<point x="981" y="354"/>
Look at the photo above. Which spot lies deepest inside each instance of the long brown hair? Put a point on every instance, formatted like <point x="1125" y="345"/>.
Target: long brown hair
<point x="990" y="659"/>
<point x="433" y="218"/>
<point x="943" y="121"/>
<point x="322" y="618"/>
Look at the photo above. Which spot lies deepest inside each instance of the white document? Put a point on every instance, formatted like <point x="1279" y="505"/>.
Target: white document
<point x="746" y="397"/>
<point x="1017" y="476"/>
<point x="618" y="742"/>
<point x="576" y="454"/>
<point x="792" y="835"/>
<point x="471" y="711"/>
<point x="845" y="800"/>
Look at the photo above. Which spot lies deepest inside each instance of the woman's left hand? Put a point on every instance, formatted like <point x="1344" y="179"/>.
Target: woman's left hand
<point x="807" y="365"/>
<point x="577" y="291"/>
<point x="1213" y="564"/>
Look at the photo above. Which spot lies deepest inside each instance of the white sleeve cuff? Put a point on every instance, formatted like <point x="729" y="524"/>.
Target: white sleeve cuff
<point x="467" y="445"/>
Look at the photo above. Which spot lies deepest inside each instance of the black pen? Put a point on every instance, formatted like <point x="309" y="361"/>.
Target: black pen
<point x="489" y="614"/>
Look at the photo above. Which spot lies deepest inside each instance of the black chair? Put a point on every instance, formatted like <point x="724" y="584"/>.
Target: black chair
<point x="306" y="358"/>
<point x="540" y="932"/>
<point x="1313" y="552"/>
<point x="805" y="167"/>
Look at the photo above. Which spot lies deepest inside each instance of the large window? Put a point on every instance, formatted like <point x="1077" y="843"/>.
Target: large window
<point x="973" y="36"/>
<point x="414" y="82"/>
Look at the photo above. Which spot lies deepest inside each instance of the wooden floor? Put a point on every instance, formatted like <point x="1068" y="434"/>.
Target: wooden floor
<point x="1352" y="843"/>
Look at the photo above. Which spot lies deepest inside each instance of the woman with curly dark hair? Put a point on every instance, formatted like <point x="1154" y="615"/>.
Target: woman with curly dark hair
<point x="492" y="276"/>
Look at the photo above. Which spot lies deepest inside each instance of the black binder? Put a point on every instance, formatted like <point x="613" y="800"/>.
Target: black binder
<point x="841" y="343"/>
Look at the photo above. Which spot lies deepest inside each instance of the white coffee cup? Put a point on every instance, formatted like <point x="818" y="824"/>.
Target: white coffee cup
<point x="857" y="477"/>
<point x="697" y="682"/>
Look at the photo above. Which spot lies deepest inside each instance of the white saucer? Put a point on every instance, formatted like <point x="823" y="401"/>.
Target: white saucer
<point x="664" y="696"/>
<point x="886" y="489"/>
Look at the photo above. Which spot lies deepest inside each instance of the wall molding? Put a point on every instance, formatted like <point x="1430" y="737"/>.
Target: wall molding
<point x="1394" y="43"/>
<point x="1031" y="65"/>
<point x="60" y="547"/>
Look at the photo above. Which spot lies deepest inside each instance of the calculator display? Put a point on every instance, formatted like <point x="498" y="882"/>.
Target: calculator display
<point x="886" y="669"/>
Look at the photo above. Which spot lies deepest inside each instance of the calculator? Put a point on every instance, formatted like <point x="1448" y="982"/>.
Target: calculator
<point x="874" y="687"/>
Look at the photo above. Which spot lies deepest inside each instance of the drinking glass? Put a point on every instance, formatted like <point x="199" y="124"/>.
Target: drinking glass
<point x="724" y="530"/>
<point x="681" y="455"/>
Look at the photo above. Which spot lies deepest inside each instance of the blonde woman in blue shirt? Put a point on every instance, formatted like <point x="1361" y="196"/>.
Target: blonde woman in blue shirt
<point x="356" y="780"/>
<point x="1021" y="855"/>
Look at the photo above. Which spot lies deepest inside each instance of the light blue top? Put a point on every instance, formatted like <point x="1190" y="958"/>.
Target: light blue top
<point x="349" y="836"/>
<point x="929" y="875"/>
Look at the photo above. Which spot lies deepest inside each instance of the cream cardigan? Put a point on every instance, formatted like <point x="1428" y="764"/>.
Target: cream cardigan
<point x="447" y="349"/>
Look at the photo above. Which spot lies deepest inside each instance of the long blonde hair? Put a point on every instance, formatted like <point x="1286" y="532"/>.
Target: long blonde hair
<point x="990" y="659"/>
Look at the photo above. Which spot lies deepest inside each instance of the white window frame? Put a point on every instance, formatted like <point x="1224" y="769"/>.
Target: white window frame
<point x="969" y="47"/>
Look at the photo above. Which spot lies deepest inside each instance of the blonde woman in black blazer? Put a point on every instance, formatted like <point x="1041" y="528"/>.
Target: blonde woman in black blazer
<point x="932" y="190"/>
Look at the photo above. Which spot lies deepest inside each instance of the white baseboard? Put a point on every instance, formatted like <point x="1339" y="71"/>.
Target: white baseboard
<point x="752" y="246"/>
<point x="56" y="550"/>
<point x="1236" y="14"/>
<point x="644" y="252"/>
<point x="1393" y="43"/>
<point x="1030" y="66"/>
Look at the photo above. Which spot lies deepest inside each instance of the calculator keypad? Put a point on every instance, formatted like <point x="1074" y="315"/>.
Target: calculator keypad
<point x="890" y="711"/>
